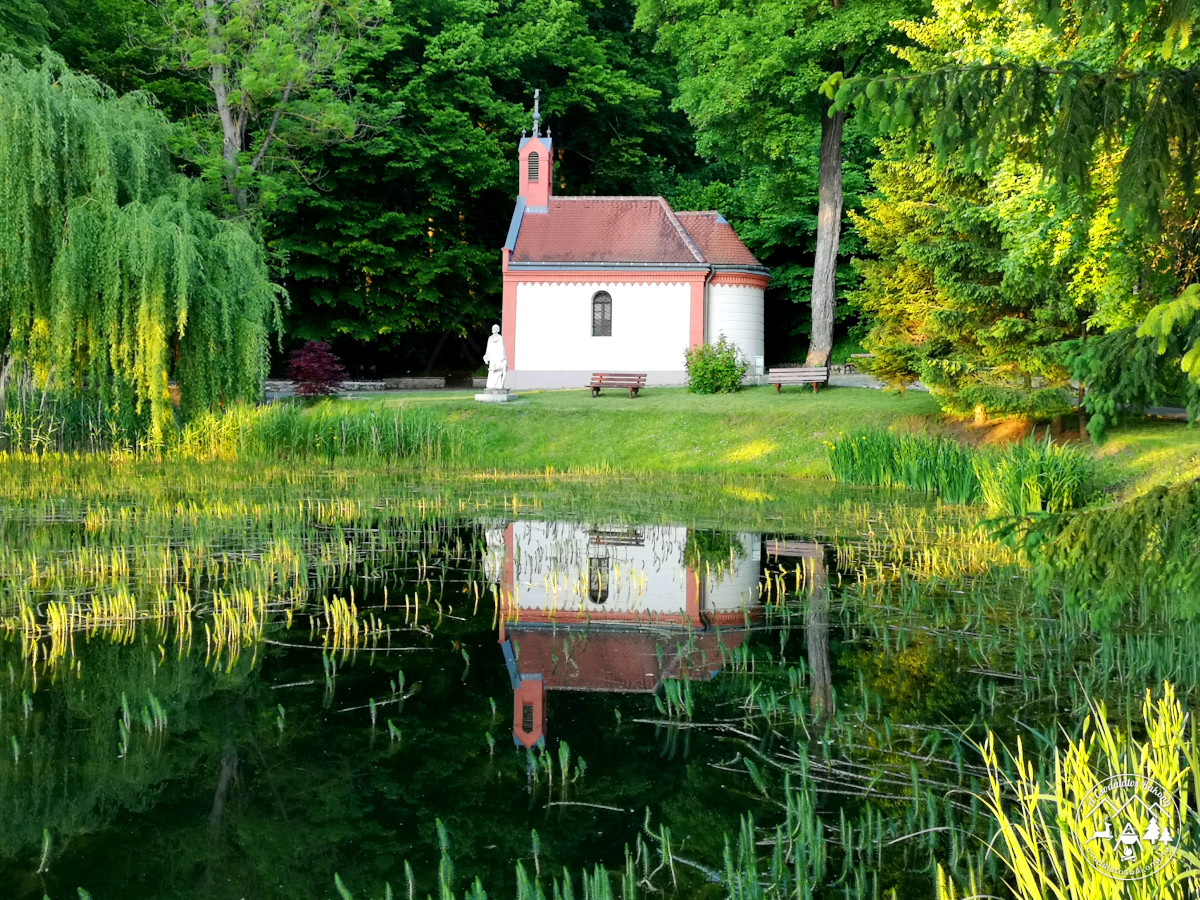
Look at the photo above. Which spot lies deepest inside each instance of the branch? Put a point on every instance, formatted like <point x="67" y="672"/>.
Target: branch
<point x="270" y="136"/>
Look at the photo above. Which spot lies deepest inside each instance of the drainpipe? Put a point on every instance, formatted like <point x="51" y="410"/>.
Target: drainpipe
<point x="707" y="320"/>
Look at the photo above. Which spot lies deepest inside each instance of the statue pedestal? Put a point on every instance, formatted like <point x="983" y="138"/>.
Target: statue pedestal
<point x="494" y="396"/>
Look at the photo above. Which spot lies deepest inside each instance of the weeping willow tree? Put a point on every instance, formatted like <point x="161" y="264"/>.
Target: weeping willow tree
<point x="113" y="278"/>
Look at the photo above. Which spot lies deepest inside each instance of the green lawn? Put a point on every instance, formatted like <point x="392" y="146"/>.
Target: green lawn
<point x="1149" y="452"/>
<point x="755" y="432"/>
<point x="669" y="429"/>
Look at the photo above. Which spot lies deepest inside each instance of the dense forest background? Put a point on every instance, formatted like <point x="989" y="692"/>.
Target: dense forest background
<point x="996" y="200"/>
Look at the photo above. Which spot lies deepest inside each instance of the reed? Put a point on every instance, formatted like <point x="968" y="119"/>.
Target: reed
<point x="1032" y="476"/>
<point x="1037" y="821"/>
<point x="327" y="430"/>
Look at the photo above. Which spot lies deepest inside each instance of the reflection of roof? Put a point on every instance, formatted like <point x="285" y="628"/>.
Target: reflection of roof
<point x="609" y="660"/>
<point x="609" y="615"/>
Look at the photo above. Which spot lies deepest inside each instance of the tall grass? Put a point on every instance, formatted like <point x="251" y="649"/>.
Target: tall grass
<point x="1040" y="832"/>
<point x="1035" y="476"/>
<point x="42" y="421"/>
<point x="38" y="421"/>
<point x="1032" y="476"/>
<point x="937" y="465"/>
<point x="329" y="429"/>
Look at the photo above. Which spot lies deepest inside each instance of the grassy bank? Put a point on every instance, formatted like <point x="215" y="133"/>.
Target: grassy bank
<point x="756" y="432"/>
<point x="669" y="430"/>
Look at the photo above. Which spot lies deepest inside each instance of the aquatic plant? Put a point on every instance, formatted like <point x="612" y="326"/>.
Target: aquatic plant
<point x="1025" y="477"/>
<point x="1035" y="476"/>
<point x="324" y="431"/>
<point x="1040" y="838"/>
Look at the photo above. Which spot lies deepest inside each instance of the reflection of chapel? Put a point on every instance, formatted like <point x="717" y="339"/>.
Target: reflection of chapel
<point x="612" y="609"/>
<point x="618" y="284"/>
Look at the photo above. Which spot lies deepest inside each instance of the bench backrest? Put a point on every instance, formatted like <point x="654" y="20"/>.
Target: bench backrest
<point x="799" y="372"/>
<point x="618" y="378"/>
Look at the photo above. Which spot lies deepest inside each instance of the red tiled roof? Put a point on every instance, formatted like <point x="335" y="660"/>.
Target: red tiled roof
<point x="716" y="239"/>
<point x="614" y="230"/>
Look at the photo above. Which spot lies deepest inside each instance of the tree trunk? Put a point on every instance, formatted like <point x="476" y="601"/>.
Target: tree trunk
<point x="232" y="135"/>
<point x="829" y="225"/>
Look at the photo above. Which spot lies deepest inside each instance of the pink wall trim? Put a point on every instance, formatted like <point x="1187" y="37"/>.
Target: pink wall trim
<point x="696" y="317"/>
<point x="508" y="312"/>
<point x="695" y="594"/>
<point x="743" y="279"/>
<point x="605" y="276"/>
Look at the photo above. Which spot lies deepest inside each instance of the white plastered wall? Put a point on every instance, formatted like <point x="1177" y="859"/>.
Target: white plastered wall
<point x="550" y="568"/>
<point x="650" y="323"/>
<point x="736" y="311"/>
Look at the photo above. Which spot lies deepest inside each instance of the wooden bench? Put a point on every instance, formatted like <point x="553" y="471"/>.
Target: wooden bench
<point x="813" y="375"/>
<point x="628" y="380"/>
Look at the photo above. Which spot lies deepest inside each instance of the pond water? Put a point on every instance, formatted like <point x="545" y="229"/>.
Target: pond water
<point x="213" y="691"/>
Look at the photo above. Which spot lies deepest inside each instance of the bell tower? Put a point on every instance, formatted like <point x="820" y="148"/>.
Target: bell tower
<point x="535" y="162"/>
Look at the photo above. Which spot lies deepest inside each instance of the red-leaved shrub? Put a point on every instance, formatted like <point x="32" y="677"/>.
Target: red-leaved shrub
<point x="316" y="371"/>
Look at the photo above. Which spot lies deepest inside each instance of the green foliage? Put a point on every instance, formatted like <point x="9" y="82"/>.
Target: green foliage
<point x="1103" y="559"/>
<point x="1174" y="318"/>
<point x="715" y="368"/>
<point x="971" y="292"/>
<point x="24" y="28"/>
<point x="1032" y="476"/>
<point x="1125" y="373"/>
<point x="750" y="74"/>
<point x="991" y="285"/>
<point x="399" y="236"/>
<point x="278" y="83"/>
<point x="709" y="549"/>
<point x="1059" y="86"/>
<point x="113" y="278"/>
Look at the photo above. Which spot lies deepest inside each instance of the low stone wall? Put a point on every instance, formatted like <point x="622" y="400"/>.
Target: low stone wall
<point x="281" y="388"/>
<point x="414" y="383"/>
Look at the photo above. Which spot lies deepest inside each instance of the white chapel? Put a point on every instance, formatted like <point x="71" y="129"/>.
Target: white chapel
<point x="618" y="284"/>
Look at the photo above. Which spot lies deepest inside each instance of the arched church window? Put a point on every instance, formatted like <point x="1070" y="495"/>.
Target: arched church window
<point x="602" y="314"/>
<point x="533" y="166"/>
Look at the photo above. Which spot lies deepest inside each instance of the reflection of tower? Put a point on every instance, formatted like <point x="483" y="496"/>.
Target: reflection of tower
<point x="615" y="609"/>
<point x="815" y="560"/>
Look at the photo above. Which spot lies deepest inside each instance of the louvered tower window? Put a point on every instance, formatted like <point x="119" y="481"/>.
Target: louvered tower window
<point x="602" y="314"/>
<point x="533" y="166"/>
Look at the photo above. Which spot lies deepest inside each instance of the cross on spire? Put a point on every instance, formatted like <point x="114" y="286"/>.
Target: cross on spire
<point x="537" y="116"/>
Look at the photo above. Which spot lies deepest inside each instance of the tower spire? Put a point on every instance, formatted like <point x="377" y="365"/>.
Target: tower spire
<point x="537" y="116"/>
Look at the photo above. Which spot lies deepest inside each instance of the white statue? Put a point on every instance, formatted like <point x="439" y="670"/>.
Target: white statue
<point x="497" y="361"/>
